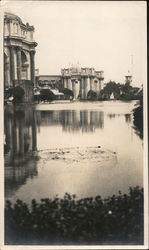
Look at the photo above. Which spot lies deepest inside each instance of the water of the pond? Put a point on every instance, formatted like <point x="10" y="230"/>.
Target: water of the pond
<point x="78" y="124"/>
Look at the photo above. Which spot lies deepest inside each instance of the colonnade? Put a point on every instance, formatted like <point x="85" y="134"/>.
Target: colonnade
<point x="14" y="64"/>
<point x="86" y="83"/>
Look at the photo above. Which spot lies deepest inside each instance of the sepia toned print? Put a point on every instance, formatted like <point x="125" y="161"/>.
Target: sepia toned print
<point x="74" y="139"/>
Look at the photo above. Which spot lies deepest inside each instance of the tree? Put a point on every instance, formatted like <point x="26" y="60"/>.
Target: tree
<point x="91" y="95"/>
<point x="111" y="87"/>
<point x="68" y="93"/>
<point x="47" y="95"/>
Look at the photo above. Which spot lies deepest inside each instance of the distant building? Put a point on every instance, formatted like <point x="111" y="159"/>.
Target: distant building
<point x="50" y="81"/>
<point x="19" y="55"/>
<point x="79" y="80"/>
<point x="82" y="80"/>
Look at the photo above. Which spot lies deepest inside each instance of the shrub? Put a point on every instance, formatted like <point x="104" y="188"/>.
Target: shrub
<point x="68" y="93"/>
<point x="47" y="95"/>
<point x="115" y="220"/>
<point x="91" y="95"/>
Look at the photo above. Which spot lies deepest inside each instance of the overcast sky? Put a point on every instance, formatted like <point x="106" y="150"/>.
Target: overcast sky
<point x="102" y="35"/>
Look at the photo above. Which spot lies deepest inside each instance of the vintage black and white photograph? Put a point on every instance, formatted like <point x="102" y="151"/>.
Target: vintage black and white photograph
<point x="74" y="107"/>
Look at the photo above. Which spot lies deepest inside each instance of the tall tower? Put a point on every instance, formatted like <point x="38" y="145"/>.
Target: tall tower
<point x="128" y="78"/>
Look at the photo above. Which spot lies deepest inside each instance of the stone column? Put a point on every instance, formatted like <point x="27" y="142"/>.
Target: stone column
<point x="101" y="84"/>
<point x="87" y="86"/>
<point x="73" y="87"/>
<point x="92" y="84"/>
<point x="19" y="64"/>
<point x="65" y="83"/>
<point x="82" y="90"/>
<point x="32" y="66"/>
<point x="12" y="72"/>
<point x="69" y="84"/>
<point x="6" y="72"/>
<point x="98" y="87"/>
<point x="90" y="80"/>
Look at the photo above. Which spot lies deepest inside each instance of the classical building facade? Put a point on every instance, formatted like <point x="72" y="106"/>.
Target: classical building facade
<point x="82" y="80"/>
<point x="51" y="81"/>
<point x="19" y="55"/>
<point x="79" y="80"/>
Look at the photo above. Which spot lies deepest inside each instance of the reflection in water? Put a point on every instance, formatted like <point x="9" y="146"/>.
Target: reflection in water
<point x="20" y="147"/>
<point x="72" y="120"/>
<point x="28" y="130"/>
<point x="15" y="177"/>
<point x="128" y="118"/>
<point x="20" y="134"/>
<point x="111" y="116"/>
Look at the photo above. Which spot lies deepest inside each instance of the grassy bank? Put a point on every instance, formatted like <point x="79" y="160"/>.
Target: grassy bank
<point x="115" y="220"/>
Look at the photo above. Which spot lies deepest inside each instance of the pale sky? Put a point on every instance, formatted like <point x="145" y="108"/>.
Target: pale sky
<point x="102" y="35"/>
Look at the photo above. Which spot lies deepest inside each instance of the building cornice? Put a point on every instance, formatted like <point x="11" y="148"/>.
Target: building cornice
<point x="19" y="39"/>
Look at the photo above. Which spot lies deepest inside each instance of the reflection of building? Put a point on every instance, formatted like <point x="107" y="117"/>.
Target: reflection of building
<point x="82" y="80"/>
<point x="84" y="120"/>
<point x="19" y="53"/>
<point x="72" y="120"/>
<point x="20" y="134"/>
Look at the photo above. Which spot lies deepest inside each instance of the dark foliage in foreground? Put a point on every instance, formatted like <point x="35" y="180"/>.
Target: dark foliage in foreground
<point x="115" y="220"/>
